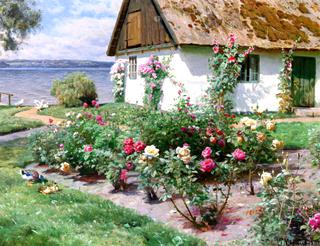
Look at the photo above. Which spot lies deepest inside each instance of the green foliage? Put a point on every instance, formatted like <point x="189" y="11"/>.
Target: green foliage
<point x="74" y="90"/>
<point x="17" y="19"/>
<point x="314" y="145"/>
<point x="285" y="85"/>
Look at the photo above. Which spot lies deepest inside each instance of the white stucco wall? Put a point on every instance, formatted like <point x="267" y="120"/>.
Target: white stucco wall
<point x="190" y="66"/>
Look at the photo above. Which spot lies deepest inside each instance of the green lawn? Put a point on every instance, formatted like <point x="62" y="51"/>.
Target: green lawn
<point x="113" y="108"/>
<point x="9" y="123"/>
<point x="69" y="217"/>
<point x="295" y="134"/>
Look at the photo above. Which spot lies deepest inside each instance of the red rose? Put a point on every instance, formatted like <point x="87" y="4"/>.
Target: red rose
<point x="219" y="132"/>
<point x="128" y="141"/>
<point x="207" y="165"/>
<point x="128" y="149"/>
<point x="231" y="59"/>
<point x="129" y="166"/>
<point x="207" y="152"/>
<point x="213" y="140"/>
<point x="222" y="143"/>
<point x="139" y="146"/>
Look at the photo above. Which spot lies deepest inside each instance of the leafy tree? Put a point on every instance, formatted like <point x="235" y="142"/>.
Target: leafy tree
<point x="18" y="18"/>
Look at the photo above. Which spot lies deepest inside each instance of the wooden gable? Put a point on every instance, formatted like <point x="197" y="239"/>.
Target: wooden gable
<point x="142" y="26"/>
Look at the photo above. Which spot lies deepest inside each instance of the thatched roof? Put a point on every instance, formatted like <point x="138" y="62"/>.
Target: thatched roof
<point x="267" y="24"/>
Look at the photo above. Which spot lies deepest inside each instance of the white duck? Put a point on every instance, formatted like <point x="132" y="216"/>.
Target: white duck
<point x="40" y="104"/>
<point x="19" y="103"/>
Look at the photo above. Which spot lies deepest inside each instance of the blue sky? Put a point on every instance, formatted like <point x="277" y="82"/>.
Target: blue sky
<point x="71" y="29"/>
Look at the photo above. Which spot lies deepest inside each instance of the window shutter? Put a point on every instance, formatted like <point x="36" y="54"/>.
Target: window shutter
<point x="134" y="29"/>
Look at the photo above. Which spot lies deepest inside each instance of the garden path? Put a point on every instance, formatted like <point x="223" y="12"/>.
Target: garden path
<point x="33" y="115"/>
<point x="299" y="119"/>
<point x="18" y="135"/>
<point x="234" y="225"/>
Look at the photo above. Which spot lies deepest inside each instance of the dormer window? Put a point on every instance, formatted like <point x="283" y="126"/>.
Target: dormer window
<point x="134" y="29"/>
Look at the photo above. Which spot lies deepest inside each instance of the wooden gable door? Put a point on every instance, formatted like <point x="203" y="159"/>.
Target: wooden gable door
<point x="303" y="81"/>
<point x="134" y="29"/>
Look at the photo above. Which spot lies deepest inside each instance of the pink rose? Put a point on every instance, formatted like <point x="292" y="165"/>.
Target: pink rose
<point x="207" y="152"/>
<point x="128" y="141"/>
<point x="94" y="102"/>
<point x="123" y="175"/>
<point x="61" y="146"/>
<point x="207" y="165"/>
<point x="139" y="146"/>
<point x="129" y="166"/>
<point x="314" y="222"/>
<point x="128" y="149"/>
<point x="153" y="86"/>
<point x="99" y="118"/>
<point x="86" y="105"/>
<point x="239" y="155"/>
<point x="88" y="148"/>
<point x="216" y="49"/>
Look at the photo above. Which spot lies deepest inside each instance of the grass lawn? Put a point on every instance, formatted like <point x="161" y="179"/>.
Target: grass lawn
<point x="116" y="108"/>
<point x="69" y="217"/>
<point x="295" y="134"/>
<point x="9" y="123"/>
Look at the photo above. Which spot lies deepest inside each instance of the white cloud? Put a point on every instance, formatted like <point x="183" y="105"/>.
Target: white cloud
<point x="110" y="7"/>
<point x="73" y="37"/>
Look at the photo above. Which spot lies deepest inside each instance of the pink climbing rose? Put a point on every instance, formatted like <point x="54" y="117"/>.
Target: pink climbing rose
<point x="314" y="222"/>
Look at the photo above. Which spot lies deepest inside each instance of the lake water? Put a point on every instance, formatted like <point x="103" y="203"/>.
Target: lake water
<point x="35" y="83"/>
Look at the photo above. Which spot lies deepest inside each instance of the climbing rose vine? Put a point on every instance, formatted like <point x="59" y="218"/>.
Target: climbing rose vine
<point x="285" y="77"/>
<point x="118" y="78"/>
<point x="154" y="72"/>
<point x="225" y="65"/>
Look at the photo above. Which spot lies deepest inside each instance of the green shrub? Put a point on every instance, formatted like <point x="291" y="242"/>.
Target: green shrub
<point x="314" y="145"/>
<point x="74" y="90"/>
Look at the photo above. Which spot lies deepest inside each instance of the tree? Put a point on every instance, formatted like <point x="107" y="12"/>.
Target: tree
<point x="18" y="18"/>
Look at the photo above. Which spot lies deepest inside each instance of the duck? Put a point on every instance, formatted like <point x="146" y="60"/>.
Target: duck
<point x="19" y="103"/>
<point x="30" y="175"/>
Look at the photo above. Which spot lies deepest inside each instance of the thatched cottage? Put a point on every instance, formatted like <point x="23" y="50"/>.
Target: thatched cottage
<point x="186" y="29"/>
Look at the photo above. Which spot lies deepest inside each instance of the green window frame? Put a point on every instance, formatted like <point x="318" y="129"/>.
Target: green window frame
<point x="250" y="72"/>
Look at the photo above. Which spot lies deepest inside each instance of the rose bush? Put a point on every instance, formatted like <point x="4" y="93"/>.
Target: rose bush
<point x="286" y="214"/>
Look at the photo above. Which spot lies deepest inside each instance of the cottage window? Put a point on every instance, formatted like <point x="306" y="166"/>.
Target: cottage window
<point x="133" y="67"/>
<point x="134" y="29"/>
<point x="250" y="70"/>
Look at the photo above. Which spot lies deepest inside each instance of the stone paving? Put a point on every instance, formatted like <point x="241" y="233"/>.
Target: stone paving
<point x="234" y="224"/>
<point x="17" y="135"/>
